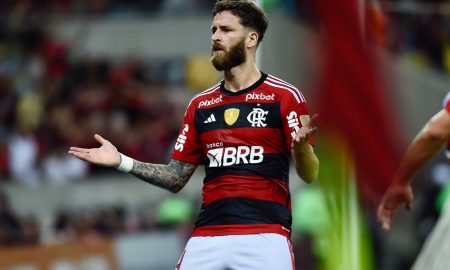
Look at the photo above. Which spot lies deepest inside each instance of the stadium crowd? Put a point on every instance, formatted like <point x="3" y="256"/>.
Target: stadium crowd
<point x="52" y="97"/>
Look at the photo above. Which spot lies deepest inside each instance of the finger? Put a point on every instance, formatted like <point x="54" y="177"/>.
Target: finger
<point x="408" y="205"/>
<point x="77" y="149"/>
<point x="82" y="156"/>
<point x="301" y="137"/>
<point x="380" y="212"/>
<point x="385" y="219"/>
<point x="312" y="131"/>
<point x="313" y="121"/>
<point x="386" y="225"/>
<point x="100" y="139"/>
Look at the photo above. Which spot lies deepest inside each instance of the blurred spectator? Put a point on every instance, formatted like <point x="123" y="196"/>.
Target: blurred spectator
<point x="59" y="168"/>
<point x="10" y="229"/>
<point x="23" y="157"/>
<point x="30" y="231"/>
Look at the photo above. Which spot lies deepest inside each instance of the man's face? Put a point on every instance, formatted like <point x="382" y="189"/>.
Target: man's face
<point x="228" y="41"/>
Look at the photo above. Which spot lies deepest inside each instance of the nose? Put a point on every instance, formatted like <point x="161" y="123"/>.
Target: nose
<point x="215" y="37"/>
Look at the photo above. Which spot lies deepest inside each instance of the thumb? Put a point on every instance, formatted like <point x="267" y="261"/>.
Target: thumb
<point x="100" y="139"/>
<point x="408" y="205"/>
<point x="386" y="224"/>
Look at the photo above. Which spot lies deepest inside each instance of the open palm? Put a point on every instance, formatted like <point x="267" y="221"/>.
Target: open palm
<point x="303" y="136"/>
<point x="396" y="195"/>
<point x="105" y="155"/>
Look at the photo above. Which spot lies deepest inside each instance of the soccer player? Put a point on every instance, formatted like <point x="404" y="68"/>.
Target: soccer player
<point x="433" y="136"/>
<point x="243" y="130"/>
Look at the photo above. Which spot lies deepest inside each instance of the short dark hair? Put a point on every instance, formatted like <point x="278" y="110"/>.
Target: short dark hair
<point x="249" y="13"/>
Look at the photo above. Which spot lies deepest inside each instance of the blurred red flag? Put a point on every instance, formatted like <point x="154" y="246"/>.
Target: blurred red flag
<point x="351" y="98"/>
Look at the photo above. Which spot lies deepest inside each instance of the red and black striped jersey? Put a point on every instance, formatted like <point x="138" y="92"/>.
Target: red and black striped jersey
<point x="244" y="141"/>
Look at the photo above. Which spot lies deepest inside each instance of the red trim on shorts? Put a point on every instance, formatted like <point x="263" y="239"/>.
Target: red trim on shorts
<point x="291" y="249"/>
<point x="221" y="230"/>
<point x="180" y="261"/>
<point x="245" y="186"/>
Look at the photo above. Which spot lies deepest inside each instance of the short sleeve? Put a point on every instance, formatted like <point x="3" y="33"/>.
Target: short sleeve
<point x="187" y="146"/>
<point x="294" y="113"/>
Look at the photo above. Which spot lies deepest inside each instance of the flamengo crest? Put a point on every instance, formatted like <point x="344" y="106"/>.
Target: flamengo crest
<point x="257" y="117"/>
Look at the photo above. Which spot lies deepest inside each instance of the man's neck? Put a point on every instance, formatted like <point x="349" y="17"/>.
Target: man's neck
<point x="241" y="77"/>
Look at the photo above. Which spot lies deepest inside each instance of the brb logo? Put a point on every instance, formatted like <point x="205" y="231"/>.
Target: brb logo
<point x="227" y="156"/>
<point x="261" y="96"/>
<point x="210" y="102"/>
<point x="181" y="140"/>
<point x="257" y="117"/>
<point x="292" y="120"/>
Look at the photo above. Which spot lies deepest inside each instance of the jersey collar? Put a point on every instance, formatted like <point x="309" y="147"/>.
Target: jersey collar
<point x="225" y="91"/>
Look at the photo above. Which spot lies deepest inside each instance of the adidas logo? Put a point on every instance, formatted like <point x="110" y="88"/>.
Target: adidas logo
<point x="210" y="119"/>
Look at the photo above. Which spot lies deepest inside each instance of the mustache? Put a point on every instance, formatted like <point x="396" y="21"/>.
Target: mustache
<point x="217" y="46"/>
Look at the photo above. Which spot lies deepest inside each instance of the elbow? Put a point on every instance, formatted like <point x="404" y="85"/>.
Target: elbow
<point x="174" y="189"/>
<point x="309" y="176"/>
<point x="436" y="132"/>
<point x="177" y="186"/>
<point x="435" y="135"/>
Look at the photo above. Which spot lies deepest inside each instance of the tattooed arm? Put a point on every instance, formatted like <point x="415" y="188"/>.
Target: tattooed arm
<point x="172" y="177"/>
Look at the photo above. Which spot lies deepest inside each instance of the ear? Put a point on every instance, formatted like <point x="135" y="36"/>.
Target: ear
<point x="252" y="39"/>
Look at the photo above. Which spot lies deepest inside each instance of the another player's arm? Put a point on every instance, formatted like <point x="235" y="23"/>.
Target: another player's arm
<point x="424" y="146"/>
<point x="172" y="176"/>
<point x="305" y="160"/>
<point x="427" y="143"/>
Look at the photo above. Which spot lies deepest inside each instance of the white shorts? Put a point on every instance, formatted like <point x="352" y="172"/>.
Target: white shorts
<point x="267" y="251"/>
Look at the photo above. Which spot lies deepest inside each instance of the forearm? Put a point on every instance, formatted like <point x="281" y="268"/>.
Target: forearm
<point x="421" y="150"/>
<point x="172" y="177"/>
<point x="427" y="143"/>
<point x="306" y="164"/>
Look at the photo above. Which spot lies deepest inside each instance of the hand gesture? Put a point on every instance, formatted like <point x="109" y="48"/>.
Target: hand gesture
<point x="304" y="134"/>
<point x="105" y="155"/>
<point x="396" y="194"/>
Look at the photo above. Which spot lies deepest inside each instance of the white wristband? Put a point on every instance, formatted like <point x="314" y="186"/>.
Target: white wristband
<point x="126" y="164"/>
<point x="447" y="153"/>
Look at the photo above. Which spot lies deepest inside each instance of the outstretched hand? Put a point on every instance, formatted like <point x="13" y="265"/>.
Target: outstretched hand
<point x="105" y="155"/>
<point x="396" y="194"/>
<point x="303" y="136"/>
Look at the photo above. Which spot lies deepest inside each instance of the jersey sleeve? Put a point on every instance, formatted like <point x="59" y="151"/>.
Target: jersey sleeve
<point x="294" y="113"/>
<point x="187" y="146"/>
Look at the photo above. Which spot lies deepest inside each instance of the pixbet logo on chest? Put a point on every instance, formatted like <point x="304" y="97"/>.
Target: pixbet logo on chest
<point x="227" y="156"/>
<point x="210" y="102"/>
<point x="260" y="96"/>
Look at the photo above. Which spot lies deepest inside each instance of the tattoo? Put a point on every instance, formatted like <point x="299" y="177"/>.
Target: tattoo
<point x="172" y="177"/>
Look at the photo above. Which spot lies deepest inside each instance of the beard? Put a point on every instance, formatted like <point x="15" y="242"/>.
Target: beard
<point x="228" y="59"/>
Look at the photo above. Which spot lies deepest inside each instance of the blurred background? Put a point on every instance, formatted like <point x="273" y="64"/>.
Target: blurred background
<point x="127" y="70"/>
